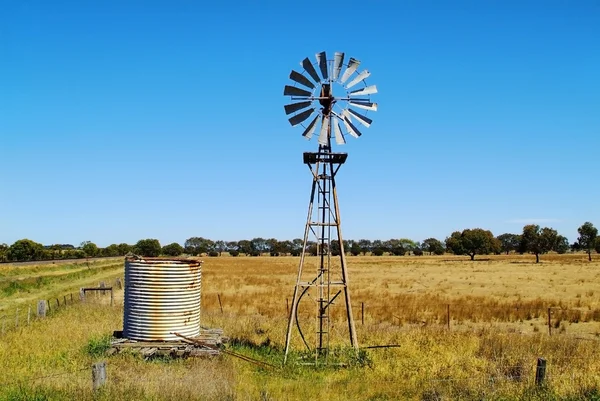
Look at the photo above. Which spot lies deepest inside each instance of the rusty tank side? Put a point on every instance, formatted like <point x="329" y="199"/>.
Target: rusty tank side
<point x="162" y="296"/>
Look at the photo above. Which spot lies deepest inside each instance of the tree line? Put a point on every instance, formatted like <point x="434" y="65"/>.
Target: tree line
<point x="534" y="240"/>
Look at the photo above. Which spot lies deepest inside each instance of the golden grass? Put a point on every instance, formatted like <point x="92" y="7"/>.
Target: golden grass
<point x="489" y="353"/>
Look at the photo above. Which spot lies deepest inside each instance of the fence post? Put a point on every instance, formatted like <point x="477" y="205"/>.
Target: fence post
<point x="112" y="297"/>
<point x="65" y="299"/>
<point x="549" y="322"/>
<point x="118" y="283"/>
<point x="17" y="319"/>
<point x="287" y="306"/>
<point x="98" y="375"/>
<point x="81" y="295"/>
<point x="57" y="303"/>
<point x="3" y="324"/>
<point x="220" y="304"/>
<point x="540" y="372"/>
<point x="362" y="313"/>
<point x="448" y="316"/>
<point x="28" y="315"/>
<point x="41" y="308"/>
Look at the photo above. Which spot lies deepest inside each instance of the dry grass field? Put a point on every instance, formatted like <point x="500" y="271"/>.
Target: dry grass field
<point x="498" y="328"/>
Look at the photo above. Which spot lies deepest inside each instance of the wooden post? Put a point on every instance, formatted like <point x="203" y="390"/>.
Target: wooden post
<point x="112" y="297"/>
<point x="41" y="308"/>
<point x="540" y="372"/>
<point x="28" y="315"/>
<point x="17" y="319"/>
<point x="102" y="285"/>
<point x="81" y="295"/>
<point x="57" y="303"/>
<point x="220" y="304"/>
<point x="362" y="313"/>
<point x="287" y="306"/>
<point x="49" y="306"/>
<point x="118" y="283"/>
<point x="549" y="322"/>
<point x="98" y="375"/>
<point x="65" y="299"/>
<point x="448" y="316"/>
<point x="71" y="297"/>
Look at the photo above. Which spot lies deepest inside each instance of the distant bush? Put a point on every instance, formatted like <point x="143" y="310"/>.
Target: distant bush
<point x="273" y="253"/>
<point x="418" y="252"/>
<point x="213" y="253"/>
<point x="234" y="253"/>
<point x="377" y="252"/>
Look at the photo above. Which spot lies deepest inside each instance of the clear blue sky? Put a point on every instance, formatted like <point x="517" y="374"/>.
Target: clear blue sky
<point x="122" y="120"/>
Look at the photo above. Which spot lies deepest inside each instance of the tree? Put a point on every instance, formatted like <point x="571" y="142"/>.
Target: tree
<point x="197" y="245"/>
<point x="25" y="250"/>
<point x="148" y="247"/>
<point x="597" y="245"/>
<point x="378" y="248"/>
<point x="395" y="247"/>
<point x="355" y="249"/>
<point x="297" y="244"/>
<point x="3" y="252"/>
<point x="587" y="238"/>
<point x="89" y="248"/>
<point x="220" y="246"/>
<point x="433" y="246"/>
<point x="408" y="244"/>
<point x="124" y="249"/>
<point x="472" y="242"/>
<point x="562" y="244"/>
<point x="365" y="245"/>
<point x="537" y="241"/>
<point x="173" y="249"/>
<point x="509" y="242"/>
<point x="111" y="250"/>
<point x="259" y="245"/>
<point x="245" y="247"/>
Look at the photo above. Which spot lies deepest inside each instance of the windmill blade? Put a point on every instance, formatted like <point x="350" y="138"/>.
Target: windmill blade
<point x="352" y="130"/>
<point x="308" y="67"/>
<point x="338" y="61"/>
<point x="324" y="131"/>
<point x="294" y="107"/>
<point x="339" y="137"/>
<point x="362" y="104"/>
<point x="322" y="61"/>
<point x="294" y="91"/>
<point x="301" y="79"/>
<point x="298" y="118"/>
<point x="308" y="132"/>
<point x="364" y="120"/>
<point x="363" y="75"/>
<point x="352" y="66"/>
<point x="346" y="114"/>
<point x="369" y="90"/>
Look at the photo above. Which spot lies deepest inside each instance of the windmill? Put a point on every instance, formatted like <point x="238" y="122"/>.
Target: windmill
<point x="313" y="100"/>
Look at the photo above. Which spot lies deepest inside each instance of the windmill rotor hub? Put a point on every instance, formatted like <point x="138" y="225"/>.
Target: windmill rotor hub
<point x="317" y="109"/>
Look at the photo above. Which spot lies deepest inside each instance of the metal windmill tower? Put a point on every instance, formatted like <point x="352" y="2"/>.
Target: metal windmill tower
<point x="314" y="95"/>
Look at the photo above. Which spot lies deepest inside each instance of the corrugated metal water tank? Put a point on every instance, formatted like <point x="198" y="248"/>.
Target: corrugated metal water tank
<point x="161" y="297"/>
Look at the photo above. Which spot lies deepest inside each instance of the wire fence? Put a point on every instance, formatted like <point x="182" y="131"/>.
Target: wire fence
<point x="24" y="315"/>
